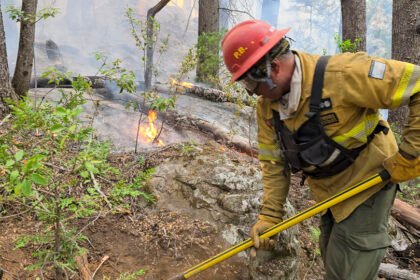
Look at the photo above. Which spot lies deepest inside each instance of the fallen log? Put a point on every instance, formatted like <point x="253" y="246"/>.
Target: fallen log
<point x="220" y="134"/>
<point x="237" y="142"/>
<point x="211" y="94"/>
<point x="97" y="82"/>
<point x="392" y="272"/>
<point x="216" y="95"/>
<point x="406" y="214"/>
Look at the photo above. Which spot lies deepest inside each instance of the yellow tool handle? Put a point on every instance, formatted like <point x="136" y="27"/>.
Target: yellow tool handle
<point x="312" y="211"/>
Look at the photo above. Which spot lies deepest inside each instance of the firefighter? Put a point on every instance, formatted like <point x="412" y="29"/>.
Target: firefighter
<point x="319" y="115"/>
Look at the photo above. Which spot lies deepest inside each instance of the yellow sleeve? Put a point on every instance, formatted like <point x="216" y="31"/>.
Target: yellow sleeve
<point x="376" y="83"/>
<point x="275" y="175"/>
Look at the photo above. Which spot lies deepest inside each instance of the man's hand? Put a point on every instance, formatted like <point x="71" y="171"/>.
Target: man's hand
<point x="259" y="227"/>
<point x="402" y="167"/>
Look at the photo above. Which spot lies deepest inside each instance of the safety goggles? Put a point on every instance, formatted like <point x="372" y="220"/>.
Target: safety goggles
<point x="250" y="85"/>
<point x="261" y="73"/>
<point x="256" y="75"/>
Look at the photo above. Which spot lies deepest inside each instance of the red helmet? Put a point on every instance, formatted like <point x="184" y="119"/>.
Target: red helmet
<point x="246" y="43"/>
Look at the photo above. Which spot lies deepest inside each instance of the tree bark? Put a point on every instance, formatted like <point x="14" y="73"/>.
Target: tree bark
<point x="150" y="42"/>
<point x="353" y="13"/>
<point x="208" y="22"/>
<point x="6" y="90"/>
<point x="405" y="40"/>
<point x="405" y="44"/>
<point x="25" y="58"/>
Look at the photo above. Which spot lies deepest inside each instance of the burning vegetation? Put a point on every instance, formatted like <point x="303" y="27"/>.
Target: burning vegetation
<point x="148" y="133"/>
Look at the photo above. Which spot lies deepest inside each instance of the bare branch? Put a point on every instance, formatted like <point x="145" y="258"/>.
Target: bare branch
<point x="237" y="11"/>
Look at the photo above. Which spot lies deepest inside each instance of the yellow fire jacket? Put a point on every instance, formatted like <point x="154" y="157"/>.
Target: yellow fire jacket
<point x="356" y="86"/>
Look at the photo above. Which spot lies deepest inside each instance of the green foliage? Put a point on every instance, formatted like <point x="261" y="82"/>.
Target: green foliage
<point x="124" y="79"/>
<point x="124" y="189"/>
<point x="15" y="13"/>
<point x="18" y="15"/>
<point x="50" y="163"/>
<point x="129" y="276"/>
<point x="207" y="49"/>
<point x="188" y="64"/>
<point x="64" y="259"/>
<point x="46" y="13"/>
<point x="162" y="104"/>
<point x="190" y="149"/>
<point x="209" y="60"/>
<point x="347" y="45"/>
<point x="410" y="191"/>
<point x="315" y="234"/>
<point x="36" y="170"/>
<point x="139" y="32"/>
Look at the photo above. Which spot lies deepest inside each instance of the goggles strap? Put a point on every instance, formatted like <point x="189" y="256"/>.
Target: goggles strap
<point x="267" y="79"/>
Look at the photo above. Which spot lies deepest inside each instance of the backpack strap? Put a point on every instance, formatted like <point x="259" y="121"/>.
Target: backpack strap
<point x="316" y="94"/>
<point x="317" y="85"/>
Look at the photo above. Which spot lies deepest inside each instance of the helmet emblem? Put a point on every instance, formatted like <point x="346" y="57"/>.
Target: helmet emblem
<point x="239" y="52"/>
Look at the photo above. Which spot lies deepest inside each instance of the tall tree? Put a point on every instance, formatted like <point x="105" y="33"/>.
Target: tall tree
<point x="6" y="90"/>
<point x="208" y="23"/>
<point x="405" y="44"/>
<point x="405" y="38"/>
<point x="353" y="13"/>
<point x="24" y="63"/>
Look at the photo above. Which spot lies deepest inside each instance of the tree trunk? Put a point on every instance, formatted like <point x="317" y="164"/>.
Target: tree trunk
<point x="6" y="90"/>
<point x="405" y="40"/>
<point x="405" y="44"/>
<point x="25" y="58"/>
<point x="208" y="53"/>
<point x="353" y="13"/>
<point x="150" y="41"/>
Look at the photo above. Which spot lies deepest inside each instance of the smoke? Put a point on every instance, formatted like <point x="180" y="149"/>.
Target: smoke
<point x="270" y="11"/>
<point x="70" y="39"/>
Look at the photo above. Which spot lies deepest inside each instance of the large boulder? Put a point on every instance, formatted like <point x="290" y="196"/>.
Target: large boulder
<point x="224" y="188"/>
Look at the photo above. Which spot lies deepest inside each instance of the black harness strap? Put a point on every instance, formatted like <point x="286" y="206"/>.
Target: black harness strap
<point x="317" y="85"/>
<point x="311" y="137"/>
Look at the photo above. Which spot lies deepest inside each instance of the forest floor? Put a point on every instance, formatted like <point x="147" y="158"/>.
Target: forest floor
<point x="194" y="217"/>
<point x="155" y="241"/>
<point x="148" y="238"/>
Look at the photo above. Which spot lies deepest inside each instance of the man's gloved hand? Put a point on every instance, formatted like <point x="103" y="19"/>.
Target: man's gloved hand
<point x="263" y="223"/>
<point x="402" y="167"/>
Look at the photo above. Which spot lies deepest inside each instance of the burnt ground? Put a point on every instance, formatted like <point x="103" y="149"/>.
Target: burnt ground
<point x="162" y="242"/>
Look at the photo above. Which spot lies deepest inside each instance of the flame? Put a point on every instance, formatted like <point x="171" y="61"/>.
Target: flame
<point x="186" y="84"/>
<point x="183" y="84"/>
<point x="149" y="132"/>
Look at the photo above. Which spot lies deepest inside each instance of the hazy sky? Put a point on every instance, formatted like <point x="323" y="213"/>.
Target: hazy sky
<point x="83" y="27"/>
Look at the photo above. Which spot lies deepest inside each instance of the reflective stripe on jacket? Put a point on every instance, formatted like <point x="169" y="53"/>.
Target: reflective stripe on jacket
<point x="356" y="86"/>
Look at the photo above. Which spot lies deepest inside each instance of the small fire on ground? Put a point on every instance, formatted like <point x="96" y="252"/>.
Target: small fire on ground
<point x="148" y="132"/>
<point x="177" y="84"/>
